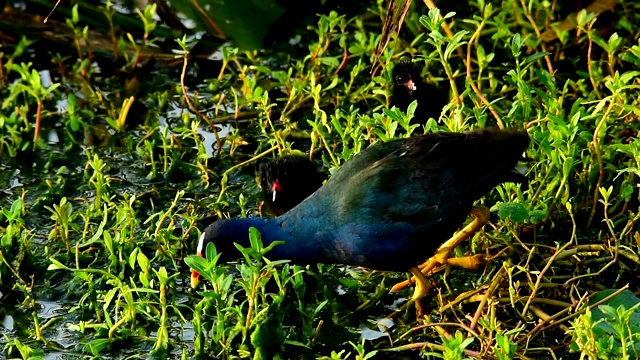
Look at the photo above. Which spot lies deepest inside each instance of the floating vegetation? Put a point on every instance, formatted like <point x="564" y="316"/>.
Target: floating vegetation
<point x="124" y="133"/>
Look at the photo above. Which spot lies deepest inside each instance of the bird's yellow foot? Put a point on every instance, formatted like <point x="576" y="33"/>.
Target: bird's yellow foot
<point x="422" y="289"/>
<point x="468" y="262"/>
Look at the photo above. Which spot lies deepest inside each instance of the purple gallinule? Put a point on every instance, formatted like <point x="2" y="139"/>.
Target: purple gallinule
<point x="408" y="86"/>
<point x="389" y="207"/>
<point x="286" y="181"/>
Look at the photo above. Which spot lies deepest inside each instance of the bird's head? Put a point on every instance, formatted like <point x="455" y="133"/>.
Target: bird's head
<point x="405" y="75"/>
<point x="286" y="181"/>
<point x="271" y="174"/>
<point x="221" y="234"/>
<point x="276" y="187"/>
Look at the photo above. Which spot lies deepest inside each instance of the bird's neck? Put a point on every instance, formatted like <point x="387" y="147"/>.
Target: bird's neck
<point x="294" y="248"/>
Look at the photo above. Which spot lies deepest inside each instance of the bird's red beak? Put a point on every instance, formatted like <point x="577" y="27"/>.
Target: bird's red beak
<point x="195" y="276"/>
<point x="411" y="86"/>
<point x="275" y="188"/>
<point x="195" y="279"/>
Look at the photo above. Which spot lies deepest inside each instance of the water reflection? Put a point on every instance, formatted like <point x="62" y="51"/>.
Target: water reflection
<point x="208" y="137"/>
<point x="7" y="323"/>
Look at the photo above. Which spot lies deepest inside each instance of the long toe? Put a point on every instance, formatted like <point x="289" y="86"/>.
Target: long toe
<point x="422" y="290"/>
<point x="473" y="262"/>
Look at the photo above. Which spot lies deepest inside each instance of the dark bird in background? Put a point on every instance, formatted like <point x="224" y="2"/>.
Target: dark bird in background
<point x="286" y="181"/>
<point x="409" y="86"/>
<point x="390" y="207"/>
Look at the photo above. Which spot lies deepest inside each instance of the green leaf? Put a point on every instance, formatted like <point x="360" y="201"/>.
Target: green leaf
<point x="272" y="245"/>
<point x="143" y="262"/>
<point x="132" y="258"/>
<point x="97" y="346"/>
<point x="198" y="264"/>
<point x="516" y="44"/>
<point x="516" y="212"/>
<point x="211" y="252"/>
<point x="98" y="233"/>
<point x="535" y="57"/>
<point x="537" y="215"/>
<point x="56" y="265"/>
<point x="455" y="43"/>
<point x="16" y="209"/>
<point x="332" y="62"/>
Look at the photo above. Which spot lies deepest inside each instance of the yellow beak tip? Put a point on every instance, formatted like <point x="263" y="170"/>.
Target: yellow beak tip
<point x="194" y="282"/>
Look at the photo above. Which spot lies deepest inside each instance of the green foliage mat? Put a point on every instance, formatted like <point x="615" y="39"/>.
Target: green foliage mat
<point x="120" y="136"/>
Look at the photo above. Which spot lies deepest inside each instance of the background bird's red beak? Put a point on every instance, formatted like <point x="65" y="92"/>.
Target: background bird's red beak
<point x="411" y="86"/>
<point x="275" y="188"/>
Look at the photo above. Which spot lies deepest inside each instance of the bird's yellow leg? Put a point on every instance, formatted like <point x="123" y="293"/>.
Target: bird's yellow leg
<point x="481" y="217"/>
<point x="422" y="289"/>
